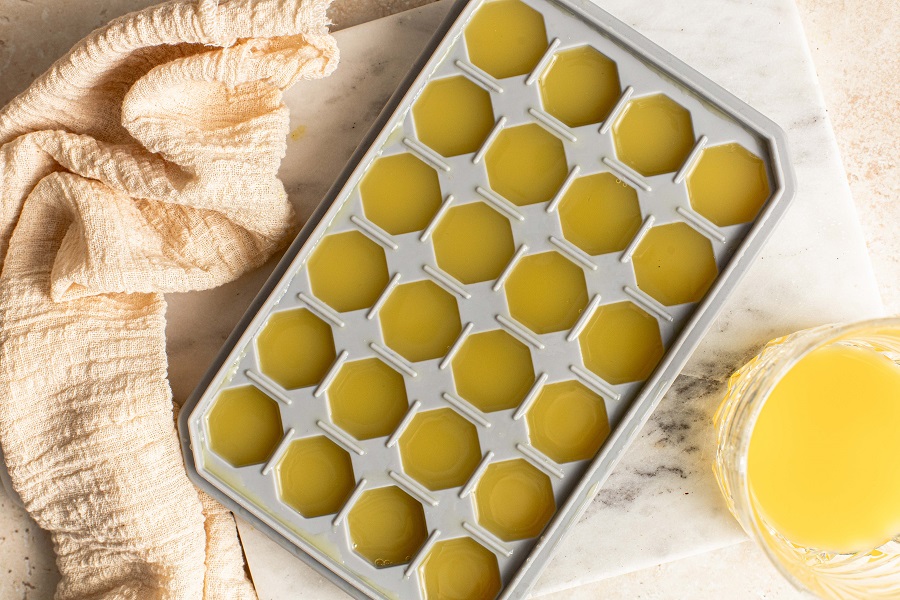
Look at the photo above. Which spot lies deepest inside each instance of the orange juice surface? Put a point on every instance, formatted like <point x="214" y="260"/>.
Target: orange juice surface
<point x="824" y="460"/>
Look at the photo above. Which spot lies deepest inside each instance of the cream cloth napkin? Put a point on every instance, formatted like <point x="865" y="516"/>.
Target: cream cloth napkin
<point x="142" y="162"/>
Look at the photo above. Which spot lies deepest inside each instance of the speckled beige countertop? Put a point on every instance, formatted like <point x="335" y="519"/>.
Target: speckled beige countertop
<point x="856" y="49"/>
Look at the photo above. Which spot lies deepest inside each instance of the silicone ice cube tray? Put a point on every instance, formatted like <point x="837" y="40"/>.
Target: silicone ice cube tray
<point x="489" y="303"/>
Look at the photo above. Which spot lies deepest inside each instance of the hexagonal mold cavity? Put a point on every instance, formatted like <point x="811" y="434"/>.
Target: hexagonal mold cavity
<point x="315" y="476"/>
<point x="420" y="321"/>
<point x="295" y="348"/>
<point x="348" y="271"/>
<point x="600" y="214"/>
<point x="526" y="164"/>
<point x="728" y="185"/>
<point x="654" y="135"/>
<point x="367" y="399"/>
<point x="440" y="449"/>
<point x="580" y="86"/>
<point x="453" y="116"/>
<point x="493" y="370"/>
<point x="244" y="426"/>
<point x="506" y="38"/>
<point x="473" y="243"/>
<point x="514" y="500"/>
<point x="387" y="526"/>
<point x="621" y="343"/>
<point x="400" y="193"/>
<point x="460" y="569"/>
<point x="546" y="292"/>
<point x="675" y="264"/>
<point x="568" y="422"/>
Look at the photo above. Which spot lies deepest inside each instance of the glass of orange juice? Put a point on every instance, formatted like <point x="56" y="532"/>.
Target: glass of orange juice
<point x="808" y="457"/>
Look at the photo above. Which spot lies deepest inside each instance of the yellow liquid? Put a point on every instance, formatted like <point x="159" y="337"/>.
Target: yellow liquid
<point x="506" y="38"/>
<point x="295" y="348"/>
<point x="514" y="500"/>
<point x="315" y="476"/>
<point x="453" y="116"/>
<point x="387" y="526"/>
<point x="440" y="449"/>
<point x="580" y="87"/>
<point x="823" y="461"/>
<point x="244" y="426"/>
<point x="460" y="569"/>
<point x="654" y="135"/>
<point x="600" y="214"/>
<point x="348" y="271"/>
<point x="621" y="343"/>
<point x="728" y="185"/>
<point x="420" y="321"/>
<point x="493" y="371"/>
<point x="473" y="243"/>
<point x="546" y="292"/>
<point x="400" y="193"/>
<point x="368" y="399"/>
<point x="675" y="264"/>
<point x="568" y="422"/>
<point x="526" y="164"/>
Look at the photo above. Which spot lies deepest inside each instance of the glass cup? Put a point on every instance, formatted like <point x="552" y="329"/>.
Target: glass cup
<point x="872" y="574"/>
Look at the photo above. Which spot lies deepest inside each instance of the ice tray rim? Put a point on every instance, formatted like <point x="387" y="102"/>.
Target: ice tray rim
<point x="655" y="386"/>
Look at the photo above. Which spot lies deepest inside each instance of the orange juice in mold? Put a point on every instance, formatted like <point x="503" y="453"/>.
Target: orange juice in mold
<point x="473" y="243"/>
<point x="315" y="476"/>
<point x="400" y="193"/>
<point x="295" y="348"/>
<point x="440" y="449"/>
<point x="580" y="86"/>
<point x="568" y="422"/>
<point x="460" y="569"/>
<point x="387" y="526"/>
<point x="526" y="164"/>
<point x="367" y="398"/>
<point x="348" y="271"/>
<point x="728" y="185"/>
<point x="453" y="116"/>
<point x="244" y="426"/>
<point x="514" y="500"/>
<point x="506" y="38"/>
<point x="653" y="135"/>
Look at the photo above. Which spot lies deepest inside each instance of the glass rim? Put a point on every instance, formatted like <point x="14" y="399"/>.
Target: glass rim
<point x="757" y="393"/>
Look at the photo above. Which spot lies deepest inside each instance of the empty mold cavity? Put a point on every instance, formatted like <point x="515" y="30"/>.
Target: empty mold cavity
<point x="400" y="193"/>
<point x="675" y="264"/>
<point x="580" y="86"/>
<point x="440" y="449"/>
<point x="315" y="476"/>
<point x="453" y="116"/>
<point x="600" y="214"/>
<point x="348" y="271"/>
<point x="526" y="164"/>
<point x="420" y="321"/>
<point x="367" y="398"/>
<point x="514" y="500"/>
<point x="568" y="422"/>
<point x="493" y="370"/>
<point x="387" y="526"/>
<point x="546" y="292"/>
<point x="506" y="38"/>
<point x="460" y="569"/>
<point x="621" y="343"/>
<point x="244" y="426"/>
<point x="473" y="243"/>
<point x="654" y="135"/>
<point x="728" y="185"/>
<point x="295" y="348"/>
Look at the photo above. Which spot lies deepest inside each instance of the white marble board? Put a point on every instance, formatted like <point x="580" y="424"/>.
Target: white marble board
<point x="661" y="502"/>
